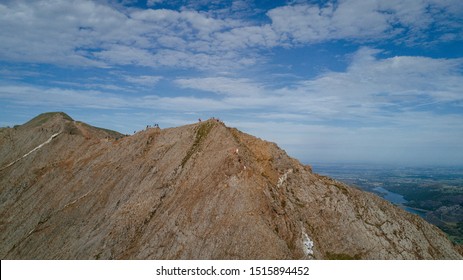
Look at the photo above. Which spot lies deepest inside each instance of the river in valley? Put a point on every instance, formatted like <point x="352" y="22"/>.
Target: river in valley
<point x="398" y="200"/>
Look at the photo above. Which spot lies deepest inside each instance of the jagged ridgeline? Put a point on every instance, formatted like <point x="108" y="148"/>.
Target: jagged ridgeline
<point x="201" y="191"/>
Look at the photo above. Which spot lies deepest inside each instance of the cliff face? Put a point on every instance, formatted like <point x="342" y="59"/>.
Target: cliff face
<point x="201" y="191"/>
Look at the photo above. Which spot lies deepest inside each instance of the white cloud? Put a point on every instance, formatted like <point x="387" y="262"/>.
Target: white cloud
<point x="223" y="86"/>
<point x="248" y="37"/>
<point x="152" y="3"/>
<point x="372" y="87"/>
<point x="362" y="20"/>
<point x="311" y="23"/>
<point x="56" y="97"/>
<point x="371" y="90"/>
<point x="89" y="33"/>
<point x="93" y="34"/>
<point x="53" y="32"/>
<point x="143" y="80"/>
<point x="59" y="97"/>
<point x="186" y="104"/>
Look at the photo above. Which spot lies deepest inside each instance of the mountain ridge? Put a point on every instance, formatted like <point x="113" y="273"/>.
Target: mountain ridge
<point x="199" y="191"/>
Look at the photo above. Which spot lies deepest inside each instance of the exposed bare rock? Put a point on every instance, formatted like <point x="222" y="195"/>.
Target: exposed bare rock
<point x="201" y="191"/>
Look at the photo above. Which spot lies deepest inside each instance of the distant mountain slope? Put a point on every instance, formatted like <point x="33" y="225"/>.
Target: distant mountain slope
<point x="18" y="141"/>
<point x="200" y="191"/>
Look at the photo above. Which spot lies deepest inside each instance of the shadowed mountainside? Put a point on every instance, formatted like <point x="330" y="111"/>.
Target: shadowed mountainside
<point x="201" y="191"/>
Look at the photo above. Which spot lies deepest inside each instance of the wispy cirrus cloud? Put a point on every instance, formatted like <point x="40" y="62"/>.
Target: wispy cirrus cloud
<point x="144" y="80"/>
<point x="29" y="95"/>
<point x="370" y="88"/>
<point x="224" y="86"/>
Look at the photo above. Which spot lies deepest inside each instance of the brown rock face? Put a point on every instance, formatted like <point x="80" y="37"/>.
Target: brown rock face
<point x="201" y="191"/>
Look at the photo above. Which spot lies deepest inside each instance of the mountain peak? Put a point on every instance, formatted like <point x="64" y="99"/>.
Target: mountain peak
<point x="62" y="122"/>
<point x="199" y="191"/>
<point x="48" y="117"/>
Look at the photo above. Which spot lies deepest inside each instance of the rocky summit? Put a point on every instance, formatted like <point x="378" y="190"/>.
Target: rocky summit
<point x="201" y="191"/>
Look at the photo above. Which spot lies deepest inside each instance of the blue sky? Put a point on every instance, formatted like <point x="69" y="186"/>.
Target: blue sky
<point x="360" y="81"/>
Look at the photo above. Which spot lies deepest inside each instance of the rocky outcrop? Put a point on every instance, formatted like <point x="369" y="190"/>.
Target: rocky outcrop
<point x="201" y="191"/>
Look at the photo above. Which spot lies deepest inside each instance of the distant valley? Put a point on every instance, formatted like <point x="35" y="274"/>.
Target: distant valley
<point x="434" y="193"/>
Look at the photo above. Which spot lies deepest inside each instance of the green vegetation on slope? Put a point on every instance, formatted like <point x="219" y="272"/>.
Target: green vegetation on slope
<point x="201" y="133"/>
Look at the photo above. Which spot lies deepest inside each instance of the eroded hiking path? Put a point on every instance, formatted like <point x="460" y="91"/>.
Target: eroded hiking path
<point x="31" y="151"/>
